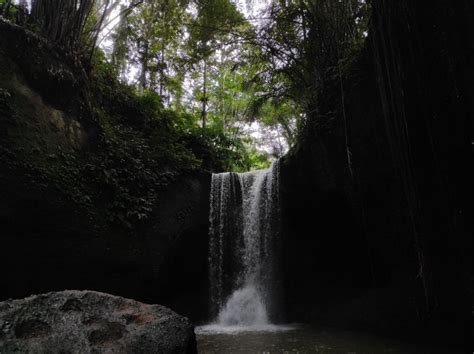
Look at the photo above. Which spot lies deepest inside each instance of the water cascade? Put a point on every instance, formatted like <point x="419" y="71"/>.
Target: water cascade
<point x="244" y="247"/>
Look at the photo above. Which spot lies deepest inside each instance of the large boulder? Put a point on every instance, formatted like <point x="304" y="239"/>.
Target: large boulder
<point x="87" y="321"/>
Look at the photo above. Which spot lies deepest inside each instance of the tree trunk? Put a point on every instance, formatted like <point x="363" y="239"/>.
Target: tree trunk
<point x="144" y="68"/>
<point x="204" y="97"/>
<point x="162" y="64"/>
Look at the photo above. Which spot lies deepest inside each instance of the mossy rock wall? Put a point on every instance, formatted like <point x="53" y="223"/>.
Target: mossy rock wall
<point x="97" y="190"/>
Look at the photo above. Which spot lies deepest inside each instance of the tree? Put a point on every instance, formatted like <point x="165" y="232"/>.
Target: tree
<point x="204" y="57"/>
<point x="303" y="42"/>
<point x="74" y="25"/>
<point x="155" y="33"/>
<point x="213" y="25"/>
<point x="120" y="46"/>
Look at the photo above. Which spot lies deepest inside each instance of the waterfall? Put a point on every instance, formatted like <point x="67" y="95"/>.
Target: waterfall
<point x="244" y="246"/>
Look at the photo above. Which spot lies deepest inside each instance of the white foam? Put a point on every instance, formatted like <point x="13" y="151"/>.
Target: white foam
<point x="216" y="328"/>
<point x="244" y="308"/>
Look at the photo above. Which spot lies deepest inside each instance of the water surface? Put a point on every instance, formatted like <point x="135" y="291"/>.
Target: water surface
<point x="300" y="339"/>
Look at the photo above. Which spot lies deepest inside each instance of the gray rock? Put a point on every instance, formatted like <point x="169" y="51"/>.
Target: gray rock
<point x="74" y="321"/>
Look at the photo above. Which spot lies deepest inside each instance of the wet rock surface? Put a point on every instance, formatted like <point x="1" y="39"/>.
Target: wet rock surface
<point x="91" y="322"/>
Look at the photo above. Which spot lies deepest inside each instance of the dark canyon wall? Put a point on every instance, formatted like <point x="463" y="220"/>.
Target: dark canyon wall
<point x="382" y="239"/>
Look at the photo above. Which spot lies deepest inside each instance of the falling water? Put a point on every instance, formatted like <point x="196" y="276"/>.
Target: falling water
<point x="243" y="253"/>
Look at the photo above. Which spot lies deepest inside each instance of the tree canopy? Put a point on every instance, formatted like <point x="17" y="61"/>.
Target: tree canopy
<point x="245" y="76"/>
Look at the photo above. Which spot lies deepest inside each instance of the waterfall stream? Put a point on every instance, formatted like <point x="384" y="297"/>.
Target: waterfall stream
<point x="244" y="247"/>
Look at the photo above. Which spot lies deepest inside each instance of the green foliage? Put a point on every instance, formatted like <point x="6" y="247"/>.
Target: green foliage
<point x="150" y="104"/>
<point x="101" y="67"/>
<point x="154" y="33"/>
<point x="215" y="19"/>
<point x="303" y="44"/>
<point x="122" y="173"/>
<point x="252" y="159"/>
<point x="227" y="153"/>
<point x="12" y="11"/>
<point x="203" y="63"/>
